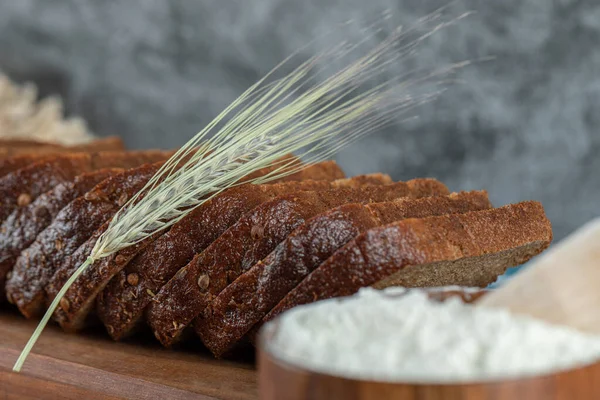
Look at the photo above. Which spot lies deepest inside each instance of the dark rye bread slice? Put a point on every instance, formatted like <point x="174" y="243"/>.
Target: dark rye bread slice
<point x="253" y="237"/>
<point x="21" y="228"/>
<point x="515" y="234"/>
<point x="470" y="249"/>
<point x="19" y="188"/>
<point x="35" y="151"/>
<point x="78" y="301"/>
<point x="108" y="143"/>
<point x="313" y="243"/>
<point x="435" y="251"/>
<point x="13" y="147"/>
<point x="266" y="283"/>
<point x="15" y="143"/>
<point x="122" y="303"/>
<point x="10" y="164"/>
<point x="75" y="306"/>
<point x="73" y="225"/>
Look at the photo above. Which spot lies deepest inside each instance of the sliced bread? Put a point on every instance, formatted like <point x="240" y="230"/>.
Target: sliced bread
<point x="470" y="249"/>
<point x="80" y="297"/>
<point x="253" y="237"/>
<point x="19" y="188"/>
<point x="73" y="225"/>
<point x="21" y="228"/>
<point x="121" y="304"/>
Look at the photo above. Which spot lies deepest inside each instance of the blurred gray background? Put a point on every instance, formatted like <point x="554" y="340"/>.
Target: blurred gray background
<point x="524" y="126"/>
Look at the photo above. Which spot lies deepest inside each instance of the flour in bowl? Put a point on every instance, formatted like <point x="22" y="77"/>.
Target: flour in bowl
<point x="397" y="335"/>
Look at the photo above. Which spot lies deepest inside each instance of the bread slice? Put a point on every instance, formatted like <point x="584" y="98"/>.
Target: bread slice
<point x="307" y="247"/>
<point x="16" y="154"/>
<point x="10" y="164"/>
<point x="13" y="147"/>
<point x="469" y="249"/>
<point x="121" y="304"/>
<point x="72" y="227"/>
<point x="21" y="228"/>
<point x="29" y="144"/>
<point x="80" y="297"/>
<point x="109" y="143"/>
<point x="248" y="241"/>
<point x="465" y="250"/>
<point x="19" y="188"/>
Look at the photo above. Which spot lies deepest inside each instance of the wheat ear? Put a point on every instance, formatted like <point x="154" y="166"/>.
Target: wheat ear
<point x="296" y="113"/>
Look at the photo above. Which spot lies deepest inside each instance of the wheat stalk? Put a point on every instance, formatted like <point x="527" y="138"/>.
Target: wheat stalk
<point x="296" y="113"/>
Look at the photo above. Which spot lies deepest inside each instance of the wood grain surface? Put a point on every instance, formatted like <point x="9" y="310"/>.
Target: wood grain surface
<point x="91" y="366"/>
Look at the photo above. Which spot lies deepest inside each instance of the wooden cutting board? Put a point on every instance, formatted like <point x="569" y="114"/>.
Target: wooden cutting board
<point x="91" y="366"/>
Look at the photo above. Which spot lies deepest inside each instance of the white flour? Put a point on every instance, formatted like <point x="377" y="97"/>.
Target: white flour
<point x="384" y="335"/>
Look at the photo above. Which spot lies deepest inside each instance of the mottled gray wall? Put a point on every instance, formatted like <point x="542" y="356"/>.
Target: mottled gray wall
<point x="525" y="126"/>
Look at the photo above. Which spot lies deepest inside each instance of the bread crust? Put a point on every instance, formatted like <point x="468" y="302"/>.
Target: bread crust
<point x="248" y="241"/>
<point x="19" y="188"/>
<point x="21" y="228"/>
<point x="121" y="304"/>
<point x="381" y="252"/>
<point x="410" y="253"/>
<point x="258" y="290"/>
<point x="82" y="294"/>
<point x="10" y="164"/>
<point x="14" y="147"/>
<point x="315" y="241"/>
<point x="73" y="225"/>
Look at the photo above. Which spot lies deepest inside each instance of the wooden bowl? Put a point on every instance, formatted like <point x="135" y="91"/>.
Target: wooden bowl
<point x="279" y="379"/>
